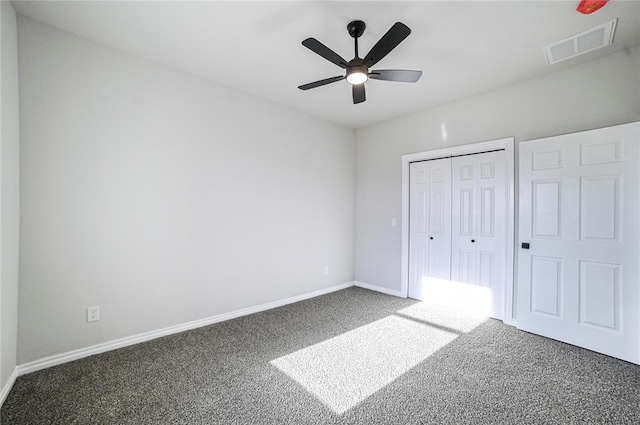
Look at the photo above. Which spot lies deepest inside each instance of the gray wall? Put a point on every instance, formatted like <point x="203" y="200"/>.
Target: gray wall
<point x="164" y="198"/>
<point x="9" y="192"/>
<point x="595" y="94"/>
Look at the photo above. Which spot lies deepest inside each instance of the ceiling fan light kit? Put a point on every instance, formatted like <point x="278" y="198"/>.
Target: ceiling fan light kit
<point x="358" y="69"/>
<point x="357" y="74"/>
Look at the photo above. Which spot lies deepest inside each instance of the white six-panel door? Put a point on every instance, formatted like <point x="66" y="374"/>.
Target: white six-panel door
<point x="430" y="225"/>
<point x="479" y="232"/>
<point x="579" y="281"/>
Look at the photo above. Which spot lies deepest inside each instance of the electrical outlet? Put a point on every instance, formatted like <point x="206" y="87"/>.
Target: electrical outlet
<point x="93" y="314"/>
<point x="326" y="270"/>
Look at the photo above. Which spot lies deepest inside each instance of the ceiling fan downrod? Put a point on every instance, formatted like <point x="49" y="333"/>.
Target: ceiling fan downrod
<point x="356" y="29"/>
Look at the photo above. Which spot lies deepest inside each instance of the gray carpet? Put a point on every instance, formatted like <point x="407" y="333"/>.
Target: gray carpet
<point x="351" y="357"/>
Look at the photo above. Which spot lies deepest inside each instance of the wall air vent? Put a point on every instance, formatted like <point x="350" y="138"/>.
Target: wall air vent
<point x="584" y="42"/>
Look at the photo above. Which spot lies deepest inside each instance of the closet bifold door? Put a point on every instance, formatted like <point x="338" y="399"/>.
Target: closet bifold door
<point x="478" y="241"/>
<point x="430" y="227"/>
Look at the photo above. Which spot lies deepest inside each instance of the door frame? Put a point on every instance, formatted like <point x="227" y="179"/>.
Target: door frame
<point x="508" y="145"/>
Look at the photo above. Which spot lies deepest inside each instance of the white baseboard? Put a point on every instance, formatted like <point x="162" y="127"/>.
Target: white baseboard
<point x="136" y="339"/>
<point x="4" y="391"/>
<point x="365" y="285"/>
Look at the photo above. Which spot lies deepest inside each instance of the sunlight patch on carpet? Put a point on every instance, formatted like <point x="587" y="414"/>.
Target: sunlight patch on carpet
<point x="476" y="299"/>
<point x="345" y="370"/>
<point x="443" y="316"/>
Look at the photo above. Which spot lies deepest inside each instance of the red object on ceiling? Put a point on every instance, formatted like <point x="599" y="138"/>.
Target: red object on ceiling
<point x="590" y="6"/>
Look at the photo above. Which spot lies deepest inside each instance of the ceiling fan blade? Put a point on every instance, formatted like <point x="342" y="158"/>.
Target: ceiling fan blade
<point x="387" y="43"/>
<point x="321" y="83"/>
<point x="358" y="93"/>
<point x="325" y="52"/>
<point x="400" y="75"/>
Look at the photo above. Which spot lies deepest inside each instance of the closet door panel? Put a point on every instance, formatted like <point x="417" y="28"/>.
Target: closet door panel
<point x="440" y="221"/>
<point x="478" y="245"/>
<point x="491" y="236"/>
<point x="418" y="227"/>
<point x="430" y="227"/>
<point x="463" y="219"/>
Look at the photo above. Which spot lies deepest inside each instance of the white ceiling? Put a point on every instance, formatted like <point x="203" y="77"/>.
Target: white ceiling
<point x="462" y="47"/>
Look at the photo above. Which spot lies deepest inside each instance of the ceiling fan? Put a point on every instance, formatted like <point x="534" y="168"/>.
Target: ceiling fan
<point x="358" y="69"/>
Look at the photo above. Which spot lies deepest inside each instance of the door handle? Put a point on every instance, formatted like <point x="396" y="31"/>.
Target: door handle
<point x="473" y="241"/>
<point x="525" y="245"/>
<point x="431" y="237"/>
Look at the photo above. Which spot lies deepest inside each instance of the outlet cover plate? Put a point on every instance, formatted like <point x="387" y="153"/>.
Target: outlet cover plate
<point x="93" y="314"/>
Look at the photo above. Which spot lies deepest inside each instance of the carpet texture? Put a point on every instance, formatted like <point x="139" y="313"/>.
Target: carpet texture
<point x="350" y="357"/>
